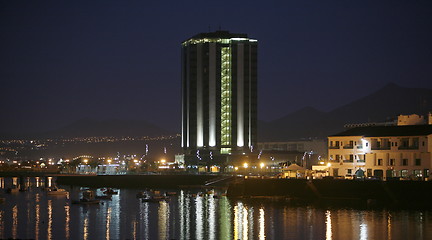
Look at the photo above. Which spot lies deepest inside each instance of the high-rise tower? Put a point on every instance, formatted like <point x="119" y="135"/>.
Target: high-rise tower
<point x="219" y="95"/>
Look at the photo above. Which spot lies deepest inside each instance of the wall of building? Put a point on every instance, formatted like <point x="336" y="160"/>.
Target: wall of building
<point x="381" y="157"/>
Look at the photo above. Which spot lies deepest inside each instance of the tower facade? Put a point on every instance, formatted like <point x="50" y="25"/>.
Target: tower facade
<point x="219" y="95"/>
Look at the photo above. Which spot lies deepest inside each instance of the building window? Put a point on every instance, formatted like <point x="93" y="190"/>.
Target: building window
<point x="391" y="162"/>
<point x="367" y="144"/>
<point x="337" y="157"/>
<point x="418" y="173"/>
<point x="418" y="162"/>
<point x="349" y="158"/>
<point x="361" y="158"/>
<point x="379" y="162"/>
<point x="404" y="173"/>
<point x="335" y="172"/>
<point x="404" y="162"/>
<point x="415" y="142"/>
<point x="369" y="172"/>
<point x="349" y="171"/>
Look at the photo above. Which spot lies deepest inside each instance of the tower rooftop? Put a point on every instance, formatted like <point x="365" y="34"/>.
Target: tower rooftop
<point x="218" y="36"/>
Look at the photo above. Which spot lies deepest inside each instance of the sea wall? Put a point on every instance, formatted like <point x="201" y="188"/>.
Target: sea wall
<point x="134" y="181"/>
<point x="407" y="193"/>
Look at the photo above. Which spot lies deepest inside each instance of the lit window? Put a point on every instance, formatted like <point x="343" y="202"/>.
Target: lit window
<point x="379" y="162"/>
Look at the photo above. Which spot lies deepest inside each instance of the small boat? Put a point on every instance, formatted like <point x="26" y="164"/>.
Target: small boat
<point x="155" y="199"/>
<point x="110" y="191"/>
<point x="88" y="198"/>
<point x="56" y="191"/>
<point x="141" y="195"/>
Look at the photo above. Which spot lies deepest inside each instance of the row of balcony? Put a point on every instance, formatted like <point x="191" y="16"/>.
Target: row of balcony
<point x="376" y="148"/>
<point x="346" y="147"/>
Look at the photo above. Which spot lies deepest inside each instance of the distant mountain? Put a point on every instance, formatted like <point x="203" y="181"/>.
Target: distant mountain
<point x="113" y="127"/>
<point x="384" y="104"/>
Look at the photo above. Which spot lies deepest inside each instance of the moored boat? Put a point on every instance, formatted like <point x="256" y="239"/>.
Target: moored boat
<point x="56" y="191"/>
<point x="141" y="195"/>
<point x="155" y="199"/>
<point x="110" y="191"/>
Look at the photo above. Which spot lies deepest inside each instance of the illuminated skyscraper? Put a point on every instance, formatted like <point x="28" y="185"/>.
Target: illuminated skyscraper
<point x="219" y="95"/>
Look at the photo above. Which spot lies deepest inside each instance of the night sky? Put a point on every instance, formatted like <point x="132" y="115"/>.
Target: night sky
<point x="61" y="61"/>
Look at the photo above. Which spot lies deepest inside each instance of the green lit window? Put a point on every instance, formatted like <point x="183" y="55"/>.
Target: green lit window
<point x="226" y="96"/>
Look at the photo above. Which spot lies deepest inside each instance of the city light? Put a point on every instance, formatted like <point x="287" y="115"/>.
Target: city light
<point x="245" y="165"/>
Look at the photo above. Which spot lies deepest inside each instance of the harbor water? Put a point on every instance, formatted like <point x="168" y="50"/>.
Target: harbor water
<point x="191" y="214"/>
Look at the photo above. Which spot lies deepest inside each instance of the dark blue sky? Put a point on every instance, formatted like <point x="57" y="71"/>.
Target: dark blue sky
<point x="62" y="61"/>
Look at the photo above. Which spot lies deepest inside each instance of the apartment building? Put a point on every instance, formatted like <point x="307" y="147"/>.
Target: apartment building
<point x="381" y="152"/>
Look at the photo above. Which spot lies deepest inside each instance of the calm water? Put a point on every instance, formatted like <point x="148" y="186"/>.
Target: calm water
<point x="33" y="214"/>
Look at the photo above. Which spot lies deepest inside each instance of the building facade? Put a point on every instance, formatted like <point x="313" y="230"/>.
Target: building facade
<point x="381" y="152"/>
<point x="219" y="96"/>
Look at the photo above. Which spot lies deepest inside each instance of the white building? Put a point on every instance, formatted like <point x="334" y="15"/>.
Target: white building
<point x="381" y="152"/>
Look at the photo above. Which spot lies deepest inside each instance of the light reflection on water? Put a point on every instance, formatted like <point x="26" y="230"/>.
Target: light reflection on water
<point x="191" y="215"/>
<point x="328" y="225"/>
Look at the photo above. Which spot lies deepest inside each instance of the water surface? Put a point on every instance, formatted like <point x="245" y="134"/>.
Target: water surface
<point x="193" y="215"/>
